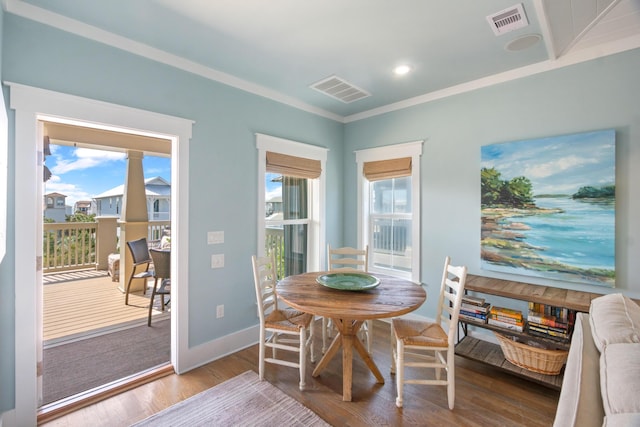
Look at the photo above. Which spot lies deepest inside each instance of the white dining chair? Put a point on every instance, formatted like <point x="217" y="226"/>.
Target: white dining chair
<point x="290" y="330"/>
<point x="423" y="344"/>
<point x="347" y="259"/>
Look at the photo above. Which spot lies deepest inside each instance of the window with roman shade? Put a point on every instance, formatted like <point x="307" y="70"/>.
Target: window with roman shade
<point x="291" y="192"/>
<point x="389" y="208"/>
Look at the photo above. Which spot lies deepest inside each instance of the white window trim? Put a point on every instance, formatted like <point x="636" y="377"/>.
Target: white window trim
<point x="317" y="193"/>
<point x="408" y="149"/>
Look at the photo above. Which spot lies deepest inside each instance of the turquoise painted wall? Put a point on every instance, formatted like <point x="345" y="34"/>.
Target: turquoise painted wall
<point x="600" y="94"/>
<point x="222" y="166"/>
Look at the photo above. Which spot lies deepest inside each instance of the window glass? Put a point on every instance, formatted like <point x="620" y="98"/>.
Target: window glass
<point x="390" y="224"/>
<point x="286" y="234"/>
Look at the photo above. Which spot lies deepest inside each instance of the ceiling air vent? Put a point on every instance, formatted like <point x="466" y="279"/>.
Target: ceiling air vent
<point x="340" y="89"/>
<point x="508" y="19"/>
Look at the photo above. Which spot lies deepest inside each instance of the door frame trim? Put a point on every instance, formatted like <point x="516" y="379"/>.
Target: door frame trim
<point x="31" y="105"/>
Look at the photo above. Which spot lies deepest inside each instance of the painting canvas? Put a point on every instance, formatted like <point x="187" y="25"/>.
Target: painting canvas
<point x="548" y="207"/>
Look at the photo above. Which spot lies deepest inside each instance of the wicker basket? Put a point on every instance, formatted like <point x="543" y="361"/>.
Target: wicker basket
<point x="548" y="362"/>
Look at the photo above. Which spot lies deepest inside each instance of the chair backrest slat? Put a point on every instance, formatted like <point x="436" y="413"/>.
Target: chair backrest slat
<point x="347" y="259"/>
<point x="450" y="298"/>
<point x="265" y="280"/>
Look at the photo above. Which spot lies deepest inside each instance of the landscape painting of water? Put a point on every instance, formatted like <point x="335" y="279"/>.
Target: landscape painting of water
<point x="548" y="207"/>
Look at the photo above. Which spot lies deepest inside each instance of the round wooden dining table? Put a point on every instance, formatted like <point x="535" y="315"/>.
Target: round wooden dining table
<point x="348" y="310"/>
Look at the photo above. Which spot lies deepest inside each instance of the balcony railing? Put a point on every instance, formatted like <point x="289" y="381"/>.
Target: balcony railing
<point x="69" y="245"/>
<point x="274" y="242"/>
<point x="77" y="245"/>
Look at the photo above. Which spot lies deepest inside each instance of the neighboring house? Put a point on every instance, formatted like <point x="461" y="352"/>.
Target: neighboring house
<point x="158" y="193"/>
<point x="84" y="206"/>
<point x="55" y="207"/>
<point x="274" y="206"/>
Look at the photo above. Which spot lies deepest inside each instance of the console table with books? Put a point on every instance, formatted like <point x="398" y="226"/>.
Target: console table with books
<point x="565" y="301"/>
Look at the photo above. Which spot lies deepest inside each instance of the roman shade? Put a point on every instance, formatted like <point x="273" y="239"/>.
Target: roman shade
<point x="298" y="167"/>
<point x="387" y="169"/>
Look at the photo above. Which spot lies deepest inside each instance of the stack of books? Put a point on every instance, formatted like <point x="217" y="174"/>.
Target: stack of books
<point x="549" y="321"/>
<point x="506" y="318"/>
<point x="474" y="309"/>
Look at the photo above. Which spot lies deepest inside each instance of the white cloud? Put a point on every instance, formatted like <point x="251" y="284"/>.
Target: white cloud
<point x="547" y="169"/>
<point x="85" y="158"/>
<point x="72" y="191"/>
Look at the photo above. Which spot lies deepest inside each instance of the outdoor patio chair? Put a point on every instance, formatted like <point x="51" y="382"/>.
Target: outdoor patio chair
<point x="430" y="344"/>
<point x="141" y="261"/>
<point x="162" y="272"/>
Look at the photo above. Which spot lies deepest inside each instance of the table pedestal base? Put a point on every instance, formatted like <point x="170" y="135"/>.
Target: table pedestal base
<point x="347" y="339"/>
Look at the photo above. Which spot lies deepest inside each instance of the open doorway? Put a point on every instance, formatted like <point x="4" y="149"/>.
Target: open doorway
<point x="32" y="105"/>
<point x="90" y="337"/>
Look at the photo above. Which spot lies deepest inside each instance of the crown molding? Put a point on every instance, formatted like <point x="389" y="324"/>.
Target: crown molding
<point x="37" y="14"/>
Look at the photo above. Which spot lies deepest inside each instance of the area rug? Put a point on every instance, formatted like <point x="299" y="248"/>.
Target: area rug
<point x="243" y="400"/>
<point x="79" y="366"/>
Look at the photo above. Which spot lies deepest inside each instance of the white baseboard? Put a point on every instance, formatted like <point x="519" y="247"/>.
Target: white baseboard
<point x="224" y="346"/>
<point x="218" y="348"/>
<point x="8" y="419"/>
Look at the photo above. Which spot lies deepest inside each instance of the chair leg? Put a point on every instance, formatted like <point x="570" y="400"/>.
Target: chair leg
<point x="394" y="352"/>
<point x="325" y="334"/>
<point x="399" y="371"/>
<point x="303" y="357"/>
<point x="153" y="296"/>
<point x="261" y="354"/>
<point x="126" y="291"/>
<point x="369" y="335"/>
<point x="312" y="334"/>
<point x="451" y="378"/>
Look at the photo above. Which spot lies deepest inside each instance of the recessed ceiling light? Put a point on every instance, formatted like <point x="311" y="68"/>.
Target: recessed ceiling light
<point x="401" y="70"/>
<point x="523" y="42"/>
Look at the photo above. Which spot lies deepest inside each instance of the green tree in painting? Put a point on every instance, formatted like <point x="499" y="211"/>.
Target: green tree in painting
<point x="491" y="186"/>
<point x="521" y="191"/>
<point x="606" y="192"/>
<point x="518" y="192"/>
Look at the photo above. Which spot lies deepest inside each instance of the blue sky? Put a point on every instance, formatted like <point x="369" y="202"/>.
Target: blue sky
<point x="559" y="164"/>
<point x="82" y="173"/>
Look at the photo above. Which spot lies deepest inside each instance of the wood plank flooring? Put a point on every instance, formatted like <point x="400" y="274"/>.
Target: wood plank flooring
<point x="485" y="396"/>
<point x="88" y="304"/>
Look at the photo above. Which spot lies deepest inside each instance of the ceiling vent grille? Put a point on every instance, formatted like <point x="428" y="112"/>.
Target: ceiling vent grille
<point x="340" y="89"/>
<point x="508" y="20"/>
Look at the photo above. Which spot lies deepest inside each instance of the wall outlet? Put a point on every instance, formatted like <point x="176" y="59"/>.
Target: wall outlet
<point x="217" y="261"/>
<point x="219" y="311"/>
<point x="214" y="237"/>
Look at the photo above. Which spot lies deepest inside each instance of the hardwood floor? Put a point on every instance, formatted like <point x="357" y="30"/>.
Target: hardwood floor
<point x="485" y="396"/>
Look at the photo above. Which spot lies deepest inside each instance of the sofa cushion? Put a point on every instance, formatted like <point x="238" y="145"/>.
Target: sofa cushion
<point x="580" y="403"/>
<point x="614" y="318"/>
<point x="620" y="378"/>
<point x="622" y="420"/>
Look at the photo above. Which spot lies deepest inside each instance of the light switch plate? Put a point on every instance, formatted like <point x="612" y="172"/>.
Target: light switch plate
<point x="217" y="261"/>
<point x="214" y="237"/>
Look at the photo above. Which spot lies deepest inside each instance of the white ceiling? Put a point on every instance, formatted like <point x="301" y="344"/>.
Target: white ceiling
<point x="278" y="48"/>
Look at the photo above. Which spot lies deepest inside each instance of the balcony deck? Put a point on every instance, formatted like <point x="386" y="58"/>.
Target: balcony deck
<point x="83" y="303"/>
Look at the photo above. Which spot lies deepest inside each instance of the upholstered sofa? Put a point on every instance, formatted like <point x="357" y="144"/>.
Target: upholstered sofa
<point x="601" y="385"/>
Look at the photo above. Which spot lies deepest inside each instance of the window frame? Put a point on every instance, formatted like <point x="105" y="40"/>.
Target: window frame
<point x="316" y="194"/>
<point x="408" y="149"/>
